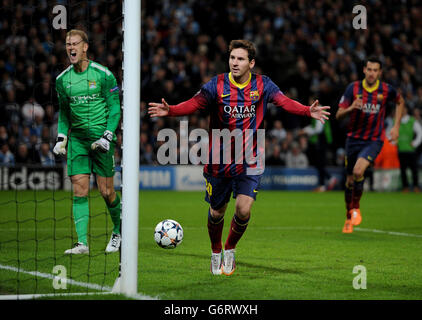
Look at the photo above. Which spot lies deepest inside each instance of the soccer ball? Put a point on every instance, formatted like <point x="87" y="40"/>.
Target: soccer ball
<point x="168" y="234"/>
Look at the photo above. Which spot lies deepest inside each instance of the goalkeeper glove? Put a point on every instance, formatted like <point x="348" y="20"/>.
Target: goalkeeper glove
<point x="60" y="147"/>
<point x="103" y="144"/>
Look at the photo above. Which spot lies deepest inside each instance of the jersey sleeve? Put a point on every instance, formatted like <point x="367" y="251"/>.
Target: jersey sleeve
<point x="110" y="91"/>
<point x="271" y="89"/>
<point x="209" y="91"/>
<point x="63" y="122"/>
<point x="347" y="97"/>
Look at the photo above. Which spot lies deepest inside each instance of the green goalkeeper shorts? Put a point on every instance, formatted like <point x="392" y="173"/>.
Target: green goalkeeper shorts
<point x="81" y="159"/>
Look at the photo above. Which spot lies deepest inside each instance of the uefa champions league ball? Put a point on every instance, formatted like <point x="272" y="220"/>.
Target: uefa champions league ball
<point x="168" y="234"/>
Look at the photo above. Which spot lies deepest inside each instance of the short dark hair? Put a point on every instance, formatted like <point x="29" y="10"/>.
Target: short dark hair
<point x="244" y="44"/>
<point x="373" y="59"/>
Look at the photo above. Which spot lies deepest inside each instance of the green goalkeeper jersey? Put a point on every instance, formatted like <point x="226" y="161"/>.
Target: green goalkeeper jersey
<point x="89" y="101"/>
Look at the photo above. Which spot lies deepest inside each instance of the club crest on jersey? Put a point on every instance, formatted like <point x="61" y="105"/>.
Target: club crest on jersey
<point x="380" y="97"/>
<point x="92" y="84"/>
<point x="254" y="95"/>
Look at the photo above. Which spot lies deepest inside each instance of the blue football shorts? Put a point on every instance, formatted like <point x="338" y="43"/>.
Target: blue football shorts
<point x="357" y="148"/>
<point x="219" y="189"/>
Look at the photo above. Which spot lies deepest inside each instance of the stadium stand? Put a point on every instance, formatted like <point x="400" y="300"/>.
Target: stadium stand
<point x="309" y="49"/>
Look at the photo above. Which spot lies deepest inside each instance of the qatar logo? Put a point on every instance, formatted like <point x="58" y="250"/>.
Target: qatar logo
<point x="240" y="112"/>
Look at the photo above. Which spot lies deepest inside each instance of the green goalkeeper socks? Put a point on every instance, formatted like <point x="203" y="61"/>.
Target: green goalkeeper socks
<point x="81" y="216"/>
<point x="115" y="209"/>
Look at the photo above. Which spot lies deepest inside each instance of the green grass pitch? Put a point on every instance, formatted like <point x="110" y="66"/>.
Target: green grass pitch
<point x="292" y="249"/>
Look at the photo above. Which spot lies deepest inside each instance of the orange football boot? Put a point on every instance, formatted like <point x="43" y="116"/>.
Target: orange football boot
<point x="356" y="216"/>
<point x="348" y="226"/>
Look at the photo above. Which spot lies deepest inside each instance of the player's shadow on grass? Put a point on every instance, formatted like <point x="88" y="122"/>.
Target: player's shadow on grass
<point x="269" y="269"/>
<point x="240" y="262"/>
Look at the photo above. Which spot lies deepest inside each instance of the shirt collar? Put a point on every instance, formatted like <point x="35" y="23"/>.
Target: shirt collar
<point x="372" y="89"/>
<point x="240" y="85"/>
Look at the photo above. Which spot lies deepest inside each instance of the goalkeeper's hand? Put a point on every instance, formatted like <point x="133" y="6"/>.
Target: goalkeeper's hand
<point x="60" y="147"/>
<point x="103" y="144"/>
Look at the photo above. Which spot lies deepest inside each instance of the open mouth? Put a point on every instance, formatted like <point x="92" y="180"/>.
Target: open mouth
<point x="73" y="54"/>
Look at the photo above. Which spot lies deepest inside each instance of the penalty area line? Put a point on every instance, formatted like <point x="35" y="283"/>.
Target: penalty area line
<point x="94" y="286"/>
<point x="303" y="228"/>
<point x="393" y="233"/>
<point x="47" y="295"/>
<point x="52" y="277"/>
<point x="320" y="228"/>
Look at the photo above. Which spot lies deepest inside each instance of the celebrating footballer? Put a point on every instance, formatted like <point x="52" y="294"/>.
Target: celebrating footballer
<point x="234" y="100"/>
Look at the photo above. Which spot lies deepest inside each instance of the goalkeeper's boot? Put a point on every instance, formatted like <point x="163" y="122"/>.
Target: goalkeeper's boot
<point x="355" y="216"/>
<point x="348" y="226"/>
<point x="79" y="248"/>
<point x="229" y="263"/>
<point x="216" y="263"/>
<point x="114" y="243"/>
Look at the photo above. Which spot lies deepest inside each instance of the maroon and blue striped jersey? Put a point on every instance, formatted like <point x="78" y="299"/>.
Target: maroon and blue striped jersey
<point x="367" y="123"/>
<point x="236" y="106"/>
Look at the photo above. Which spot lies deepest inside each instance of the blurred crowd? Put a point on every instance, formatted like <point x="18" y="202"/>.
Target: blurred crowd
<point x="32" y="55"/>
<point x="308" y="48"/>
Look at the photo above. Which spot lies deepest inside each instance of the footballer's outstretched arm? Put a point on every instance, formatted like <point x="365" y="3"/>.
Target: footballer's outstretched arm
<point x="163" y="109"/>
<point x="315" y="111"/>
<point x="319" y="112"/>
<point x="159" y="109"/>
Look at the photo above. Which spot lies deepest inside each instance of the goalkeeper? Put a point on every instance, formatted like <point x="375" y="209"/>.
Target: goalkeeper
<point x="89" y="113"/>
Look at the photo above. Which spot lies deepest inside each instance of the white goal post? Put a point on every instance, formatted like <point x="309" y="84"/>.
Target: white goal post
<point x="130" y="159"/>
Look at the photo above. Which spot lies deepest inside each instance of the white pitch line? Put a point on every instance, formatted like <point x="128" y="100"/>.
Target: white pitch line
<point x="393" y="233"/>
<point x="56" y="295"/>
<point x="303" y="228"/>
<point x="50" y="276"/>
<point x="300" y="228"/>
<point x="103" y="289"/>
<point x="46" y="295"/>
<point x="320" y="228"/>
